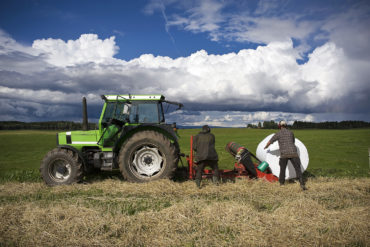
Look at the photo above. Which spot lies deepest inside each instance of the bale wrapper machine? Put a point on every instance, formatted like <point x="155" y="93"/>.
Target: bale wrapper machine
<point x="244" y="167"/>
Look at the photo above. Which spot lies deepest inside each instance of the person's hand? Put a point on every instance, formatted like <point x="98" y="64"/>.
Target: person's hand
<point x="238" y="157"/>
<point x="267" y="145"/>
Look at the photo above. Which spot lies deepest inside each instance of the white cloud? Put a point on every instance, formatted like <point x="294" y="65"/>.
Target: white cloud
<point x="345" y="24"/>
<point x="267" y="7"/>
<point x="262" y="25"/>
<point x="267" y="29"/>
<point x="234" y="118"/>
<point x="9" y="45"/>
<point x="266" y="79"/>
<point x="40" y="96"/>
<point x="350" y="30"/>
<point x="339" y="78"/>
<point x="205" y="16"/>
<point x="88" y="48"/>
<point x="243" y="118"/>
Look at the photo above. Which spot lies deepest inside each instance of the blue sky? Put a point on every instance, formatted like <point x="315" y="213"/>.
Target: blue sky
<point x="230" y="62"/>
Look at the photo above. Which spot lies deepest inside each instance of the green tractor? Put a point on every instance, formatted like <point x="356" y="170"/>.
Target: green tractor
<point x="132" y="136"/>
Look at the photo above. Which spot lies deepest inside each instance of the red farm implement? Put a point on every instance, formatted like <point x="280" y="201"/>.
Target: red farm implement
<point x="241" y="169"/>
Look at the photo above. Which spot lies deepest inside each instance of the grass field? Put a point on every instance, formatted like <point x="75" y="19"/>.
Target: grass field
<point x="338" y="153"/>
<point x="332" y="212"/>
<point x="107" y="211"/>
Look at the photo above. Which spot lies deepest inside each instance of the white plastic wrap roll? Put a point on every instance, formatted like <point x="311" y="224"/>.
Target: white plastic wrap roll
<point x="272" y="156"/>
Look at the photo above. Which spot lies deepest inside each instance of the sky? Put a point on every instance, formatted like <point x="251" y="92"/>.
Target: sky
<point x="230" y="62"/>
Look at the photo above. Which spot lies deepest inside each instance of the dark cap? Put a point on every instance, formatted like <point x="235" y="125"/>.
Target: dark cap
<point x="206" y="128"/>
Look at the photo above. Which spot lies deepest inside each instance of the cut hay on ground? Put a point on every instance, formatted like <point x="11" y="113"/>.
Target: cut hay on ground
<point x="333" y="212"/>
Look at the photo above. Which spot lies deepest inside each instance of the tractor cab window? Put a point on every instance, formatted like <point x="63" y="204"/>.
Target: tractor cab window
<point x="145" y="112"/>
<point x="161" y="114"/>
<point x="117" y="110"/>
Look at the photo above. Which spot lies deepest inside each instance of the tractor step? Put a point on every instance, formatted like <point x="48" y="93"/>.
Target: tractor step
<point x="104" y="161"/>
<point x="107" y="168"/>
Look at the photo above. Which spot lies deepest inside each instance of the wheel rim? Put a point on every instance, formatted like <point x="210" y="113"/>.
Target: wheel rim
<point x="147" y="161"/>
<point x="60" y="170"/>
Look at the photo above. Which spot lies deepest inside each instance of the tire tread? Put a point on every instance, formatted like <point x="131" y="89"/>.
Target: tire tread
<point x="149" y="135"/>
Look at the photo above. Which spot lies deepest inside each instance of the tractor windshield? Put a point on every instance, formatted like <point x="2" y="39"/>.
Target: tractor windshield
<point x="136" y="112"/>
<point x="146" y="112"/>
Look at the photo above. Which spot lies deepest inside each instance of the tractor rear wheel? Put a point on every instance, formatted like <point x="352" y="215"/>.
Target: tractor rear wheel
<point x="147" y="156"/>
<point x="61" y="166"/>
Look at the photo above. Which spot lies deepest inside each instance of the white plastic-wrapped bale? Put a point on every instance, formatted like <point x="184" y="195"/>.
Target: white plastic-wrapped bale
<point x="272" y="156"/>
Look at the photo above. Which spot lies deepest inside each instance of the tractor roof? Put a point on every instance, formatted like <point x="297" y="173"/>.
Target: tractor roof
<point x="133" y="97"/>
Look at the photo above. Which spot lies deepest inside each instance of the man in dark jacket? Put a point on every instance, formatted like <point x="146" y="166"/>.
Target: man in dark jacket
<point x="206" y="155"/>
<point x="288" y="151"/>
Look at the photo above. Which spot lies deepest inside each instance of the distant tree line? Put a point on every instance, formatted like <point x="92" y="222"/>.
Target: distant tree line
<point x="331" y="125"/>
<point x="68" y="125"/>
<point x="312" y="125"/>
<point x="54" y="125"/>
<point x="264" y="125"/>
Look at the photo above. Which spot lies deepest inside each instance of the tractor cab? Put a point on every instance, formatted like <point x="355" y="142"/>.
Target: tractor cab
<point x="133" y="109"/>
<point x="122" y="111"/>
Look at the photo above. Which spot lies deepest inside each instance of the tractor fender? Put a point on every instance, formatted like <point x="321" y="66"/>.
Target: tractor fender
<point x="130" y="130"/>
<point x="77" y="152"/>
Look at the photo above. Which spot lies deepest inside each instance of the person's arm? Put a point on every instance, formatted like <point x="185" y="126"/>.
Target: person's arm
<point x="213" y="140"/>
<point x="272" y="140"/>
<point x="195" y="140"/>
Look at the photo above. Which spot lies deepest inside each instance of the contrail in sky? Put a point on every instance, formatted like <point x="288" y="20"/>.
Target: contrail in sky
<point x="163" y="8"/>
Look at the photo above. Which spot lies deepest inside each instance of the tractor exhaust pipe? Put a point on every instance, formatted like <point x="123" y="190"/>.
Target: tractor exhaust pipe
<point x="85" y="125"/>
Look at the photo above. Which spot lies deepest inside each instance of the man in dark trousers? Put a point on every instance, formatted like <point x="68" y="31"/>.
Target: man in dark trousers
<point x="288" y="151"/>
<point x="205" y="154"/>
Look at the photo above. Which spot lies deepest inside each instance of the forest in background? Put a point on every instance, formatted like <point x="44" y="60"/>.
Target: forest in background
<point x="54" y="125"/>
<point x="69" y="125"/>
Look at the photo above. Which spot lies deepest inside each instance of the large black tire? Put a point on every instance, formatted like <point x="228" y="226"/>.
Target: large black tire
<point x="147" y="156"/>
<point x="61" y="166"/>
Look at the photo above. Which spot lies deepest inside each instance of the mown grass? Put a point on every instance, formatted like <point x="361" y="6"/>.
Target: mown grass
<point x="333" y="212"/>
<point x="104" y="210"/>
<point x="337" y="153"/>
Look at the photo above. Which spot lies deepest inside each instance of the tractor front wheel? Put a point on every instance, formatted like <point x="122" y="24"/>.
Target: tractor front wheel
<point x="147" y="156"/>
<point x="61" y="166"/>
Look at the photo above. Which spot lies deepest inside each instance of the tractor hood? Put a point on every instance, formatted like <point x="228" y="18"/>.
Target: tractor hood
<point x="78" y="138"/>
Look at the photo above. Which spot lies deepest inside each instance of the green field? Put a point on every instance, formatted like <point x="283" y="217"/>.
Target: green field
<point x="335" y="153"/>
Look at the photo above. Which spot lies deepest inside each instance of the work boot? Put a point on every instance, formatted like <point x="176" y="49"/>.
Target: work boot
<point x="197" y="182"/>
<point x="301" y="182"/>
<point x="215" y="180"/>
<point x="303" y="187"/>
